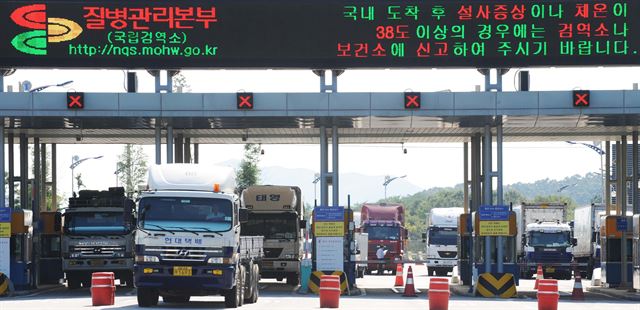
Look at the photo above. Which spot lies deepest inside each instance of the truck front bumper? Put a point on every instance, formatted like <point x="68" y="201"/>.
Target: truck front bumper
<point x="101" y="264"/>
<point x="438" y="262"/>
<point x="274" y="267"/>
<point x="202" y="278"/>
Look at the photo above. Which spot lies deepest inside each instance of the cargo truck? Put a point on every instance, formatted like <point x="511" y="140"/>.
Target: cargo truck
<point x="384" y="224"/>
<point x="586" y="230"/>
<point x="442" y="240"/>
<point x="98" y="236"/>
<point x="188" y="239"/>
<point x="276" y="212"/>
<point x="545" y="240"/>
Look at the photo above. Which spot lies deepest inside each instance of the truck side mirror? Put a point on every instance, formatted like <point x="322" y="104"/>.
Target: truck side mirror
<point x="243" y="215"/>
<point x="574" y="241"/>
<point x="424" y="237"/>
<point x="129" y="205"/>
<point x="303" y="224"/>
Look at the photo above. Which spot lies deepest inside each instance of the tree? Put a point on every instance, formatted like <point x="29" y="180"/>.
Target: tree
<point x="248" y="173"/>
<point x="131" y="167"/>
<point x="180" y="83"/>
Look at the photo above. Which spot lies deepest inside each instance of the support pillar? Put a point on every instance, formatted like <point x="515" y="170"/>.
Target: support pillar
<point x="487" y="189"/>
<point x="465" y="171"/>
<point x="169" y="144"/>
<point x="24" y="170"/>
<point x="476" y="176"/>
<point x="43" y="177"/>
<point x="36" y="181"/>
<point x="499" y="199"/>
<point x="2" y="193"/>
<point x="158" y="143"/>
<point x="179" y="149"/>
<point x="335" y="170"/>
<point x="324" y="167"/>
<point x="54" y="177"/>
<point x="607" y="182"/>
<point x="187" y="151"/>
<point x="11" y="163"/>
<point x="621" y="194"/>
<point x="634" y="174"/>
<point x="196" y="153"/>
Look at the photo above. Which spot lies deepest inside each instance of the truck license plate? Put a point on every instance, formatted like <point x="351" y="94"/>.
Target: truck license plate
<point x="182" y="271"/>
<point x="97" y="262"/>
<point x="550" y="269"/>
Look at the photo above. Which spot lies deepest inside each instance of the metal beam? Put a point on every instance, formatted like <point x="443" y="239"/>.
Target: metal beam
<point x="158" y="144"/>
<point x="487" y="188"/>
<point x="169" y="144"/>
<point x="24" y="170"/>
<point x="324" y="167"/>
<point x="335" y="171"/>
<point x="11" y="163"/>
<point x="54" y="177"/>
<point x="621" y="193"/>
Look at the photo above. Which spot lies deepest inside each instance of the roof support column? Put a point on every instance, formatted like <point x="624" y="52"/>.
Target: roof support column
<point x="621" y="200"/>
<point x="11" y="163"/>
<point x="179" y="149"/>
<point x="158" y="144"/>
<point x="54" y="175"/>
<point x="187" y="151"/>
<point x="634" y="175"/>
<point x="36" y="210"/>
<point x="607" y="182"/>
<point x="487" y="189"/>
<point x="169" y="144"/>
<point x="196" y="153"/>
<point x="2" y="194"/>
<point x="499" y="239"/>
<point x="24" y="170"/>
<point x="335" y="170"/>
<point x="43" y="176"/>
<point x="324" y="167"/>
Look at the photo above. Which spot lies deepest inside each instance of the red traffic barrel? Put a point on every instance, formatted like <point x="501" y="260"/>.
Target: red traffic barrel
<point x="329" y="291"/>
<point x="103" y="289"/>
<point x="438" y="294"/>
<point x="548" y="294"/>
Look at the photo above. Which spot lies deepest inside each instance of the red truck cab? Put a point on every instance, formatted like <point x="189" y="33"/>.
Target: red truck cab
<point x="385" y="225"/>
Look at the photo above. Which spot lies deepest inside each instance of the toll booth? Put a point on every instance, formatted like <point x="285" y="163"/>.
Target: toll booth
<point x="21" y="245"/>
<point x="508" y="231"/>
<point x="636" y="252"/>
<point x="50" y="261"/>
<point x="611" y="232"/>
<point x="464" y="247"/>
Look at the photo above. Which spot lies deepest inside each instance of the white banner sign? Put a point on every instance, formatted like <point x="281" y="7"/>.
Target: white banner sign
<point x="329" y="253"/>
<point x="5" y="267"/>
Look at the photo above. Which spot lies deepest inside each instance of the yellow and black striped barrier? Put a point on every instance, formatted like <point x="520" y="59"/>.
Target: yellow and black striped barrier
<point x="4" y="284"/>
<point x="496" y="285"/>
<point x="314" y="280"/>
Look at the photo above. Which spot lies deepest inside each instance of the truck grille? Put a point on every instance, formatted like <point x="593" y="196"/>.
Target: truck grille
<point x="272" y="252"/>
<point x="97" y="251"/>
<point x="447" y="254"/>
<point x="183" y="254"/>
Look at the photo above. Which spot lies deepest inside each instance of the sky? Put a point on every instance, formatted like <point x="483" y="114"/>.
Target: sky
<point x="426" y="165"/>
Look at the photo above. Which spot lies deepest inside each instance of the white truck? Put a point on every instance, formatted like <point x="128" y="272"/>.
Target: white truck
<point x="442" y="240"/>
<point x="276" y="213"/>
<point x="188" y="239"/>
<point x="545" y="240"/>
<point x="586" y="230"/>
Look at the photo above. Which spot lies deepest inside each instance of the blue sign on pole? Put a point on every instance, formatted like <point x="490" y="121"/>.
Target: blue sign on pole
<point x="621" y="224"/>
<point x="329" y="214"/>
<point x="5" y="215"/>
<point x="493" y="213"/>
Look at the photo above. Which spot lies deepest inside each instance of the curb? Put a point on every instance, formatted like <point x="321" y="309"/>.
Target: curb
<point x="615" y="293"/>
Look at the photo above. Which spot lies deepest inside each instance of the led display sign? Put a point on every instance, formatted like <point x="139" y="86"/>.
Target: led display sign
<point x="330" y="34"/>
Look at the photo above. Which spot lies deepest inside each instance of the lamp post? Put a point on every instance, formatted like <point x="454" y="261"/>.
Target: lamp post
<point x="387" y="180"/>
<point x="41" y="88"/>
<point x="315" y="189"/>
<point x="75" y="161"/>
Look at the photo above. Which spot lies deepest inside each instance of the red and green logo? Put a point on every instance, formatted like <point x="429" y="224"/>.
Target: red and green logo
<point x="45" y="29"/>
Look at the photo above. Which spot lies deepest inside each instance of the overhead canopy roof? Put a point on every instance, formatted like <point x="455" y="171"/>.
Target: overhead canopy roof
<point x="295" y="118"/>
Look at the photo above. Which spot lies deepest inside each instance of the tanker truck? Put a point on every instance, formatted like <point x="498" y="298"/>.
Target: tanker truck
<point x="384" y="224"/>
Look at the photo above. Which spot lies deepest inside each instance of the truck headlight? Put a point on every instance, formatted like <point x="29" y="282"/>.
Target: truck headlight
<point x="215" y="260"/>
<point x="147" y="259"/>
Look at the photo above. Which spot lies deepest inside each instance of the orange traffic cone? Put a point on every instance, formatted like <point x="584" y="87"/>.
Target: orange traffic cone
<point x="409" y="290"/>
<point x="578" y="293"/>
<point x="539" y="276"/>
<point x="399" y="279"/>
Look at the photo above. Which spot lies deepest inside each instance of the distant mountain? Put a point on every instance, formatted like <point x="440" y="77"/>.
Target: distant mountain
<point x="362" y="188"/>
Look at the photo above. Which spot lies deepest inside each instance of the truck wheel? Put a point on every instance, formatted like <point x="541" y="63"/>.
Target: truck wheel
<point x="176" y="299"/>
<point x="232" y="297"/>
<point x="243" y="275"/>
<point x="253" y="291"/>
<point x="73" y="282"/>
<point x="147" y="297"/>
<point x="293" y="279"/>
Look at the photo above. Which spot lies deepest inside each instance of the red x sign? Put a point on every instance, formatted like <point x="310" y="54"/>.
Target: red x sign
<point x="581" y="98"/>
<point x="244" y="101"/>
<point x="75" y="101"/>
<point x="412" y="100"/>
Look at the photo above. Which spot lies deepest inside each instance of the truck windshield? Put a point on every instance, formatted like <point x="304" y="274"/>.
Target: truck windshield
<point x="171" y="213"/>
<point x="443" y="236"/>
<point x="549" y="239"/>
<point x="383" y="232"/>
<point x="94" y="223"/>
<point x="271" y="226"/>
